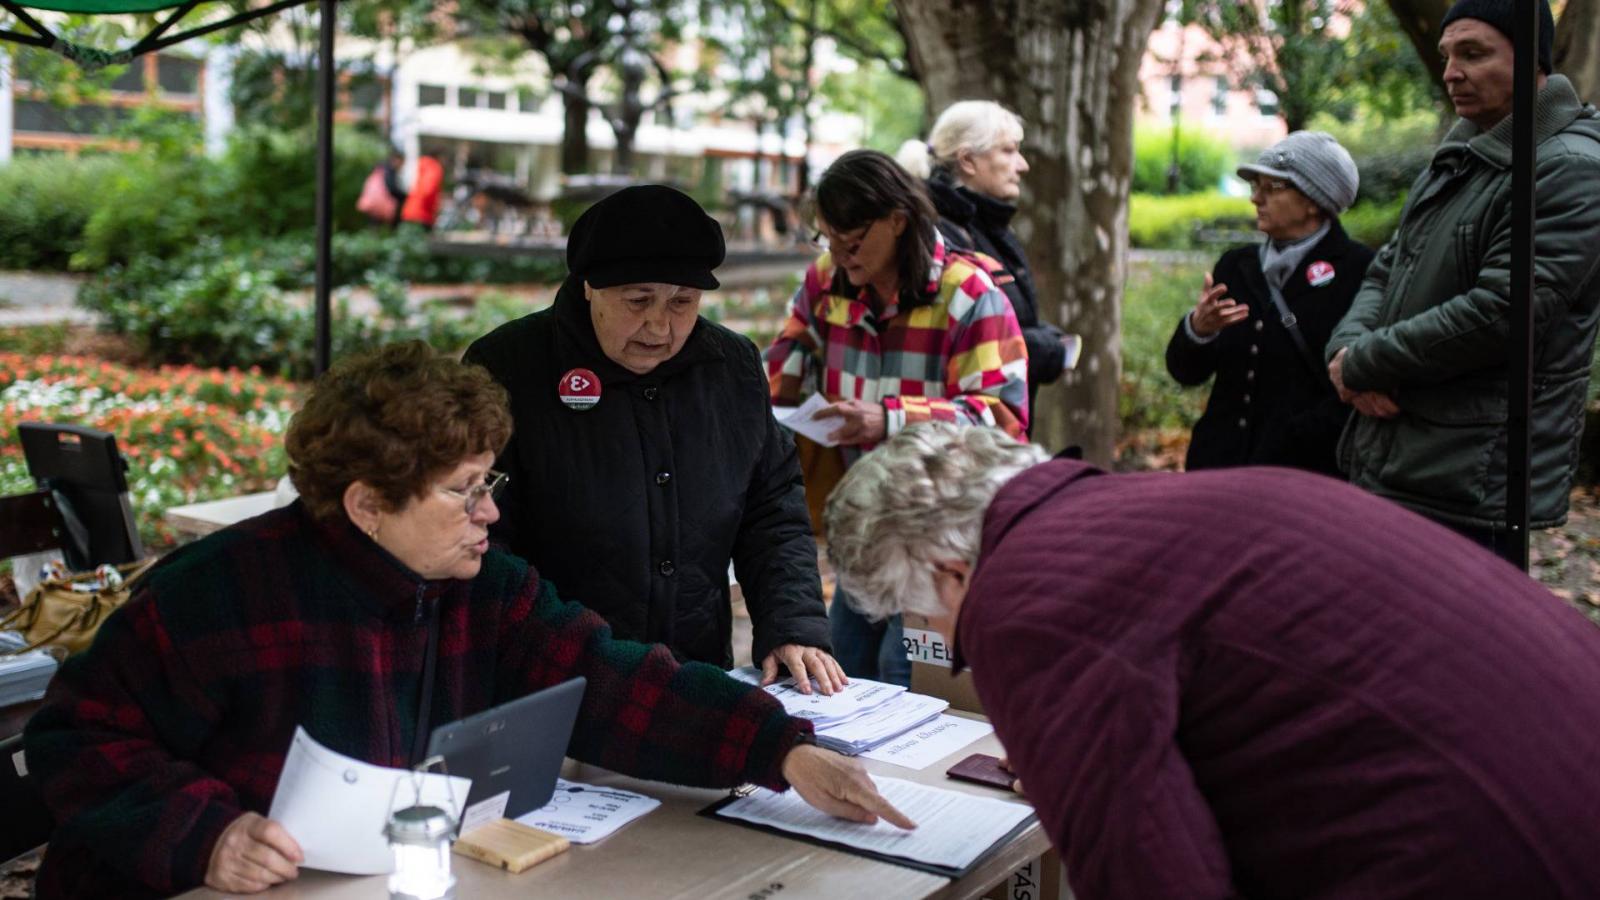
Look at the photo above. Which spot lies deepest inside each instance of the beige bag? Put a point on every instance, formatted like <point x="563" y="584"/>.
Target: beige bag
<point x="56" y="615"/>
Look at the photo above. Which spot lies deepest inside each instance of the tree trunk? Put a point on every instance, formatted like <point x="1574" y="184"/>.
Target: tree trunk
<point x="1577" y="49"/>
<point x="575" y="135"/>
<point x="1070" y="69"/>
<point x="1420" y="20"/>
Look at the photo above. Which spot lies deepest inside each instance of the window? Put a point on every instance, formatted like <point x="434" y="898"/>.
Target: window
<point x="430" y="95"/>
<point x="467" y="98"/>
<point x="178" y="75"/>
<point x="131" y="79"/>
<point x="1175" y="90"/>
<point x="496" y="99"/>
<point x="366" y="94"/>
<point x="1267" y="102"/>
<point x="529" y="102"/>
<point x="42" y="116"/>
<point x="1219" y="100"/>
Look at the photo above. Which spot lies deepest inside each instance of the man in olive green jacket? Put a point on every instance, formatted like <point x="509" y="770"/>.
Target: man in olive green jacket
<point x="1422" y="353"/>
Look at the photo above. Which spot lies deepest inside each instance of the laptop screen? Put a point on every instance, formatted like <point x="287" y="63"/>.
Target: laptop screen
<point x="515" y="748"/>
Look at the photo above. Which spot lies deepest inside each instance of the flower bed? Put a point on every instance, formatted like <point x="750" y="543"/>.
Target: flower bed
<point x="188" y="434"/>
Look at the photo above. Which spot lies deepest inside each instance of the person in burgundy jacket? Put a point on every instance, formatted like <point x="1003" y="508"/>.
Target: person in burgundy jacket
<point x="1245" y="682"/>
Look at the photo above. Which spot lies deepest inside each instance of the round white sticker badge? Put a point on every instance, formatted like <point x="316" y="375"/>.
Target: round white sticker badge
<point x="579" y="389"/>
<point x="1319" y="273"/>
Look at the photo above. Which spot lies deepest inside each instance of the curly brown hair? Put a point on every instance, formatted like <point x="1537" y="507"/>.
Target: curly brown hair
<point x="395" y="418"/>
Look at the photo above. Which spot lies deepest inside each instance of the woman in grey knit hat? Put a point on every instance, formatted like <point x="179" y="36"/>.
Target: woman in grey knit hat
<point x="1264" y="316"/>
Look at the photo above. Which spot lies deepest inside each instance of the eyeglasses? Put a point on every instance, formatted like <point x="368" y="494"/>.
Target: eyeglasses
<point x="1268" y="186"/>
<point x="848" y="247"/>
<point x="491" y="486"/>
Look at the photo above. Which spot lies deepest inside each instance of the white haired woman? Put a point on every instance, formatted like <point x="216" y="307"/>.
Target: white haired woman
<point x="973" y="166"/>
<point x="1241" y="682"/>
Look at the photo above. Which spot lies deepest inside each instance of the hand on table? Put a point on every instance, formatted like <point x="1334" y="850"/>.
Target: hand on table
<point x="804" y="663"/>
<point x="1016" y="783"/>
<point x="839" y="786"/>
<point x="253" y="854"/>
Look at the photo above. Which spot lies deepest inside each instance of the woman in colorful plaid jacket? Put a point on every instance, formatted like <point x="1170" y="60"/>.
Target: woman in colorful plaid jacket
<point x="366" y="611"/>
<point x="893" y="328"/>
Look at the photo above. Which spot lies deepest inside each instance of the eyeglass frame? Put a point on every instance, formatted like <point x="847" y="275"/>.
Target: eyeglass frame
<point x="821" y="241"/>
<point x="494" y="482"/>
<point x="1269" y="185"/>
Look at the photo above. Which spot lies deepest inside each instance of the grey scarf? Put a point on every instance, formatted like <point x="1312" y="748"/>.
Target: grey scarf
<point x="1280" y="259"/>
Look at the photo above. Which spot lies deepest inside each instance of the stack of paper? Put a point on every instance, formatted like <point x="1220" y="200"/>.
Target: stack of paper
<point x="864" y="715"/>
<point x="23" y="677"/>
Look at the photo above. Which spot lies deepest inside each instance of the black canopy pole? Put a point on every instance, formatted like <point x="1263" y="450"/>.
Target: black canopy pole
<point x="325" y="84"/>
<point x="1519" y="374"/>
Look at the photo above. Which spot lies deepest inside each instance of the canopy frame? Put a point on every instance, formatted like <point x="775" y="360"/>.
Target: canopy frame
<point x="92" y="59"/>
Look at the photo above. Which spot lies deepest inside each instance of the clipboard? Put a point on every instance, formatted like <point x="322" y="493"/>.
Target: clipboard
<point x="714" y="812"/>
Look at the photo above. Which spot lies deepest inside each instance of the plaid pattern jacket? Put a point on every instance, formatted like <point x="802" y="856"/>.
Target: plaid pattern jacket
<point x="178" y="717"/>
<point x="958" y="356"/>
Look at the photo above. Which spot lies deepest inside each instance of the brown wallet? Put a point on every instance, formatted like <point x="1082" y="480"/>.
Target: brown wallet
<point x="981" y="768"/>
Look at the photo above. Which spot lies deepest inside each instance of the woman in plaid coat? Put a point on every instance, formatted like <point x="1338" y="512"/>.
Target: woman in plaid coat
<point x="159" y="748"/>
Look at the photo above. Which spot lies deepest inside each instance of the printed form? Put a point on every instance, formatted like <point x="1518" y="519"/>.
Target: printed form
<point x="953" y="828"/>
<point x="586" y="813"/>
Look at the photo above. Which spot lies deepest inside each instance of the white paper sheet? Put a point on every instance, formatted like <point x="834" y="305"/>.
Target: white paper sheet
<point x="803" y="419"/>
<point x="926" y="744"/>
<point x="584" y="813"/>
<point x="953" y="828"/>
<point x="336" y="807"/>
<point x="858" y="696"/>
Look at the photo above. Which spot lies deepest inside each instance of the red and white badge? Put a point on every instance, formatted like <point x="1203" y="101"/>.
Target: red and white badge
<point x="1319" y="273"/>
<point x="579" y="389"/>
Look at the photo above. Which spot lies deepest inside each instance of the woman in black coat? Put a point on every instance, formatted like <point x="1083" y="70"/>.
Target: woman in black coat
<point x="1272" y="403"/>
<point x="645" y="456"/>
<point x="974" y="165"/>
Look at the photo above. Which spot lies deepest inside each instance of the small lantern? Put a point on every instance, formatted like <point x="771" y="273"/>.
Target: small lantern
<point x="419" y="836"/>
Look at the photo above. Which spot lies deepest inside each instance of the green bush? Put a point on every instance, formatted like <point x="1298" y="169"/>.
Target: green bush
<point x="1156" y="222"/>
<point x="270" y="179"/>
<point x="1372" y="222"/>
<point x="1202" y="160"/>
<point x="1157" y="295"/>
<point x="150" y="207"/>
<point x="45" y="203"/>
<point x="248" y="303"/>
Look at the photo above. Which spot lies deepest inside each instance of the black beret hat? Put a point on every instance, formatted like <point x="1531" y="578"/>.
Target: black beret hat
<point x="646" y="233"/>
<point x="1501" y="16"/>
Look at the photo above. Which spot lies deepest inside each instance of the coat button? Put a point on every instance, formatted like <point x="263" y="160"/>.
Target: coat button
<point x="1250" y="375"/>
<point x="663" y="477"/>
<point x="666" y="567"/>
<point x="1244" y="423"/>
<point x="651" y="393"/>
<point x="1247" y="398"/>
<point x="1254" y="349"/>
<point x="1260" y="324"/>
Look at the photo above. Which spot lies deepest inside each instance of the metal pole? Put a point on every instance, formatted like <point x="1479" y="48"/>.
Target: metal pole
<point x="1519" y="363"/>
<point x="326" y="76"/>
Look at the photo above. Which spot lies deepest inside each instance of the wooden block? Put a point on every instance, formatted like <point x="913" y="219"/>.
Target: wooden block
<point x="510" y="845"/>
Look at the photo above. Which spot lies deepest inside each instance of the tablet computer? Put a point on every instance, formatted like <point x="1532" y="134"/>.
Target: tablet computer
<point x="516" y="747"/>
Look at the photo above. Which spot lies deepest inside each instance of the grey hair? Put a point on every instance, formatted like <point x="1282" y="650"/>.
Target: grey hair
<point x="976" y="126"/>
<point x="920" y="496"/>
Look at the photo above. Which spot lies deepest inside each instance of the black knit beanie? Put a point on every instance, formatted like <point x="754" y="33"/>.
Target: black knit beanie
<point x="1501" y="16"/>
